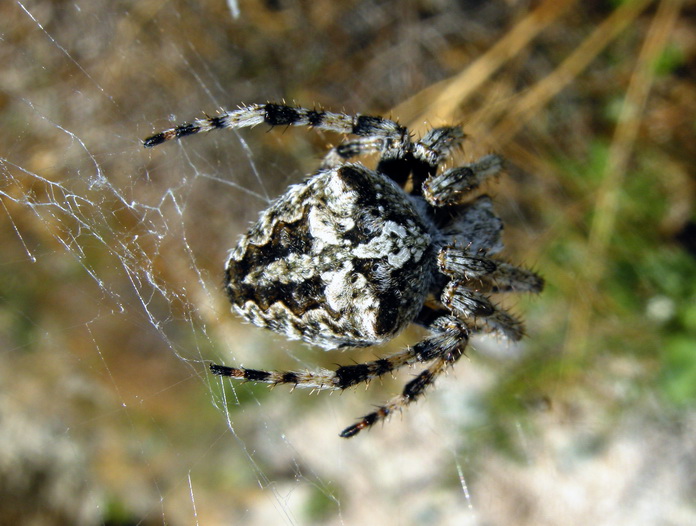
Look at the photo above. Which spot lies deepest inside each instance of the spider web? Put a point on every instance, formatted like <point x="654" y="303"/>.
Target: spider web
<point x="113" y="302"/>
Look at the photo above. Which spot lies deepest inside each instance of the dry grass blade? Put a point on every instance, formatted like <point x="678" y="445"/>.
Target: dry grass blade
<point x="620" y="152"/>
<point x="537" y="97"/>
<point x="443" y="99"/>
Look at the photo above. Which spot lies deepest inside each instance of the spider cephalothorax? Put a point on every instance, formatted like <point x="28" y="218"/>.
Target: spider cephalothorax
<point x="349" y="258"/>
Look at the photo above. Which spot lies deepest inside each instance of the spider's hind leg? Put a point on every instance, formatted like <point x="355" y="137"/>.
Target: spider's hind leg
<point x="445" y="346"/>
<point x="322" y="379"/>
<point x="344" y="376"/>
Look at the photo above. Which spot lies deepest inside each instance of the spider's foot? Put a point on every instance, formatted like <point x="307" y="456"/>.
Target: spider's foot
<point x="245" y="374"/>
<point x="365" y="422"/>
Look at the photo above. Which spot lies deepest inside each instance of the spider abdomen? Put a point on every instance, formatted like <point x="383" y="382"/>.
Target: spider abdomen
<point x="342" y="259"/>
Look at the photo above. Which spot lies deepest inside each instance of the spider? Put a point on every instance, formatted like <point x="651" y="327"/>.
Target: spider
<point x="351" y="256"/>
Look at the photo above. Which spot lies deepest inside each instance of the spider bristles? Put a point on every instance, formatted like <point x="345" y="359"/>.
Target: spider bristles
<point x="282" y="115"/>
<point x="412" y="391"/>
<point x="449" y="212"/>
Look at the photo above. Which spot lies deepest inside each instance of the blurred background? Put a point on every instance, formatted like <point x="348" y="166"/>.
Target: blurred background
<point x="111" y="298"/>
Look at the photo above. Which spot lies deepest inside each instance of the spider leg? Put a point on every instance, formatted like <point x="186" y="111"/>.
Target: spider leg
<point x="451" y="338"/>
<point x="322" y="379"/>
<point x="479" y="312"/>
<point x="420" y="160"/>
<point x="281" y="115"/>
<point x="437" y="145"/>
<point x="346" y="375"/>
<point x="451" y="186"/>
<point x="490" y="275"/>
<point x="339" y="155"/>
<point x="401" y="160"/>
<point x="478" y="315"/>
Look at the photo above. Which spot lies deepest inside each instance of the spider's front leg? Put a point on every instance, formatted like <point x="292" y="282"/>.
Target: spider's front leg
<point x="341" y="154"/>
<point x="437" y="145"/>
<point x="445" y="345"/>
<point x="451" y="186"/>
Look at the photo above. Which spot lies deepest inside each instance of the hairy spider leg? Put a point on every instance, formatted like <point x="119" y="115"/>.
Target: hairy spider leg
<point x="420" y="161"/>
<point x="402" y="160"/>
<point x="489" y="275"/>
<point x="340" y="154"/>
<point x="450" y="340"/>
<point x="281" y="115"/>
<point x="395" y="160"/>
<point x="399" y="158"/>
<point x="431" y="151"/>
<point x="475" y="313"/>
<point x="479" y="312"/>
<point x="451" y="186"/>
<point x="345" y="376"/>
<point x="437" y="145"/>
